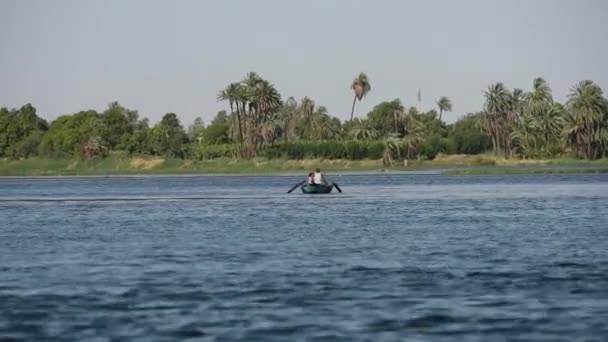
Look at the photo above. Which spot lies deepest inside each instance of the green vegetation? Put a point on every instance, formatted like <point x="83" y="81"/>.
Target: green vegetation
<point x="523" y="171"/>
<point x="259" y="130"/>
<point x="123" y="164"/>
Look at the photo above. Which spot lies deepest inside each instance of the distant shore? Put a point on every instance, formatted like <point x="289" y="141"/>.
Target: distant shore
<point x="141" y="166"/>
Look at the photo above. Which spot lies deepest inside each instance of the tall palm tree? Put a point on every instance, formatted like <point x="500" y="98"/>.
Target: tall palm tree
<point x="444" y="104"/>
<point x="391" y="150"/>
<point x="398" y="119"/>
<point x="550" y="123"/>
<point x="487" y="124"/>
<point x="322" y="125"/>
<point x="257" y="103"/>
<point x="497" y="98"/>
<point x="414" y="133"/>
<point x="307" y="109"/>
<point x="537" y="106"/>
<point x="266" y="98"/>
<point x="287" y="115"/>
<point x="361" y="87"/>
<point x="231" y="94"/>
<point x="587" y="122"/>
<point x="502" y="109"/>
<point x="538" y="101"/>
<point x="516" y="102"/>
<point x="523" y="137"/>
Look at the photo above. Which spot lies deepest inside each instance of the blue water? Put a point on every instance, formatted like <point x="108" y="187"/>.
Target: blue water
<point x="392" y="258"/>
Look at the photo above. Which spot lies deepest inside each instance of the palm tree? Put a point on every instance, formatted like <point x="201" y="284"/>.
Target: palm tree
<point x="523" y="137"/>
<point x="587" y="122"/>
<point x="444" y="104"/>
<point x="257" y="103"/>
<point x="551" y="123"/>
<point x="497" y="98"/>
<point x="322" y="126"/>
<point x="307" y="106"/>
<point x="361" y="87"/>
<point x="516" y="102"/>
<point x="232" y="94"/>
<point x="398" y="119"/>
<point x="286" y="116"/>
<point x="538" y="101"/>
<point x="391" y="150"/>
<point x="538" y="107"/>
<point x="414" y="133"/>
<point x="502" y="109"/>
<point x="307" y="109"/>
<point x="266" y="98"/>
<point x="363" y="130"/>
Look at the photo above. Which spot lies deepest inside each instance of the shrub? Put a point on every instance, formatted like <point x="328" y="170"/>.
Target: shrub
<point x="329" y="149"/>
<point x="205" y="152"/>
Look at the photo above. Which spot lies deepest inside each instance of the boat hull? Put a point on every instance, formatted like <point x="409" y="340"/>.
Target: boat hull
<point x="317" y="189"/>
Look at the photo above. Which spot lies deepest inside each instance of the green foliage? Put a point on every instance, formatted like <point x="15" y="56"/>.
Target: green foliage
<point x="28" y="146"/>
<point x="17" y="125"/>
<point x="196" y="129"/>
<point x="68" y="133"/>
<point x="586" y="127"/>
<point x="136" y="143"/>
<point x="465" y="137"/>
<point x="327" y="149"/>
<point x="514" y="123"/>
<point x="120" y="123"/>
<point x="217" y="132"/>
<point x="207" y="152"/>
<point x="167" y="137"/>
<point x="386" y="117"/>
<point x="432" y="146"/>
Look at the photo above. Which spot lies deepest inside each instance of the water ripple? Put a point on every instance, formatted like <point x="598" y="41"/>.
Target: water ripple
<point x="235" y="258"/>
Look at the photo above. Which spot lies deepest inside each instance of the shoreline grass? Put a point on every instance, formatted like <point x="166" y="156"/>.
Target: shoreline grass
<point x="160" y="166"/>
<point x="118" y="164"/>
<point x="502" y="171"/>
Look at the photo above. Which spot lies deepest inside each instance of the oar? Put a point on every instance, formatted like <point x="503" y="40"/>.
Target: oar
<point x="295" y="186"/>
<point x="336" y="186"/>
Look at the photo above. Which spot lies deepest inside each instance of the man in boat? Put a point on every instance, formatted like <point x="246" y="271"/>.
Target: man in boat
<point x="319" y="178"/>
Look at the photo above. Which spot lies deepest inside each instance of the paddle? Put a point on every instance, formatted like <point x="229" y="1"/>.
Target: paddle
<point x="295" y="186"/>
<point x="337" y="187"/>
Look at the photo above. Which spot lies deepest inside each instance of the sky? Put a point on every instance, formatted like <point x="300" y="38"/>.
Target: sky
<point x="157" y="56"/>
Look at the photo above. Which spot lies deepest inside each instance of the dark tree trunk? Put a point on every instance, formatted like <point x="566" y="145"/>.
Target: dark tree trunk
<point x="238" y="116"/>
<point x="352" y="112"/>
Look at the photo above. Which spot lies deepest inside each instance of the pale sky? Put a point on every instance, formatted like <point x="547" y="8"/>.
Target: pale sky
<point x="174" y="56"/>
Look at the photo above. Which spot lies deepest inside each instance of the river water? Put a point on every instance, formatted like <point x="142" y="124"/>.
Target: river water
<point x="236" y="258"/>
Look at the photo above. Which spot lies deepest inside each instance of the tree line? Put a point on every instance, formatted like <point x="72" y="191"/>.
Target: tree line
<point x="258" y="122"/>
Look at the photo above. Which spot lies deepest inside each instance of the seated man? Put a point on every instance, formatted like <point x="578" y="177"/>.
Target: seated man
<point x="319" y="178"/>
<point x="311" y="178"/>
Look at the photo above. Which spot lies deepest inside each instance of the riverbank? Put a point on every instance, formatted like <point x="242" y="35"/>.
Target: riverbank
<point x="519" y="171"/>
<point x="453" y="165"/>
<point x="161" y="166"/>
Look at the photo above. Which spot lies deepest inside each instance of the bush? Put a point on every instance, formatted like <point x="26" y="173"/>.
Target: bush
<point x="206" y="152"/>
<point x="330" y="149"/>
<point x="27" y="147"/>
<point x="432" y="146"/>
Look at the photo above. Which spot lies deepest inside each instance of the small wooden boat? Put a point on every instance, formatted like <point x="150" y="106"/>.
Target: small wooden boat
<point x="317" y="188"/>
